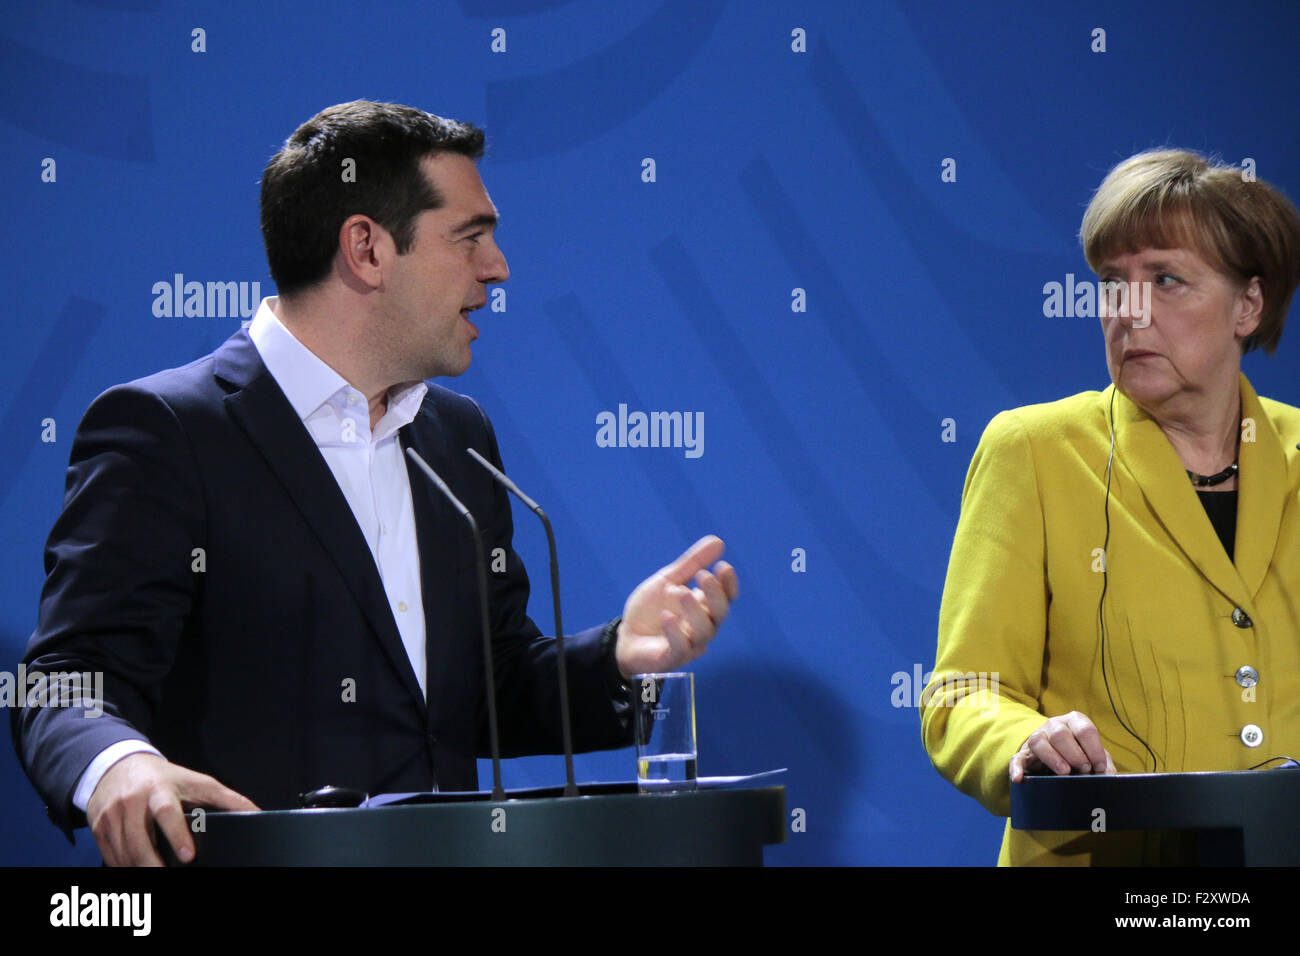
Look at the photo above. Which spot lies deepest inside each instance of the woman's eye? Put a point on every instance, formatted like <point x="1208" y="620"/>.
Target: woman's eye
<point x="1160" y="280"/>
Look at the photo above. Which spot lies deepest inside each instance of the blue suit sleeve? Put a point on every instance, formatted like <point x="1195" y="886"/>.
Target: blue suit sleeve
<point x="120" y="582"/>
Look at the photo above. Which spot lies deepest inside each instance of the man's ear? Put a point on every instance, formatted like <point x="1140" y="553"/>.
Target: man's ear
<point x="365" y="248"/>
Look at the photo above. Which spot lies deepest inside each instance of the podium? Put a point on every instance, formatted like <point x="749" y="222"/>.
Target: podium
<point x="609" y="825"/>
<point x="1241" y="818"/>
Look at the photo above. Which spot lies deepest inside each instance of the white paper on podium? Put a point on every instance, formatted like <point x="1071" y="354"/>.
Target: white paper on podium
<point x="702" y="783"/>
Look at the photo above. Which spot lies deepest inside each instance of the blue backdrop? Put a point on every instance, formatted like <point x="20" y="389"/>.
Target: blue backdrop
<point x="734" y="209"/>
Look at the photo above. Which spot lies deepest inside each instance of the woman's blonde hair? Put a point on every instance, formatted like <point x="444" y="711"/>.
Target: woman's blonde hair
<point x="1172" y="198"/>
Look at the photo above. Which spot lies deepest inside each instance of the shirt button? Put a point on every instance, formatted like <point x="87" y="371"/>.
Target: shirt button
<point x="1247" y="676"/>
<point x="1241" y="618"/>
<point x="1252" y="736"/>
<point x="401" y="605"/>
<point x="352" y="399"/>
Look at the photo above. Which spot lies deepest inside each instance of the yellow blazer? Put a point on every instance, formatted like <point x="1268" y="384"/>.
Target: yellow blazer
<point x="1020" y="606"/>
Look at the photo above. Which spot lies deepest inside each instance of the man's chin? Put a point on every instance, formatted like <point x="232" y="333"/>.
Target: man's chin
<point x="451" y="370"/>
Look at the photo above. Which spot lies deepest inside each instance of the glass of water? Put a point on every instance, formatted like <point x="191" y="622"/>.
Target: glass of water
<point x="665" y="731"/>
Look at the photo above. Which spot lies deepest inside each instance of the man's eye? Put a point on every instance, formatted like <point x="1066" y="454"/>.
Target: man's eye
<point x="1160" y="280"/>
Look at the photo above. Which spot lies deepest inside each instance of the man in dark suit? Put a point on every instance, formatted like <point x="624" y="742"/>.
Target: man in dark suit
<point x="276" y="597"/>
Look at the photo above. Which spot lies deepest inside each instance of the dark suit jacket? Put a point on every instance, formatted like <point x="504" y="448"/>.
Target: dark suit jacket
<point x="233" y="661"/>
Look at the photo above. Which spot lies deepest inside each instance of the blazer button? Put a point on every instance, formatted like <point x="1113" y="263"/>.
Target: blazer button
<point x="1252" y="736"/>
<point x="1241" y="618"/>
<point x="1247" y="676"/>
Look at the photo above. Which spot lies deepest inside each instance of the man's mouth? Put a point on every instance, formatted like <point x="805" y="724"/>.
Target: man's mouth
<point x="464" y="314"/>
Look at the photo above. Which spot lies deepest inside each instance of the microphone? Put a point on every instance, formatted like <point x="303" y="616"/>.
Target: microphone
<point x="498" y="792"/>
<point x="570" y="788"/>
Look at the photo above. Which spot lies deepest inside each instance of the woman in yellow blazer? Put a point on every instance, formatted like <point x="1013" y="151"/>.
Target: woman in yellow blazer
<point x="1189" y="524"/>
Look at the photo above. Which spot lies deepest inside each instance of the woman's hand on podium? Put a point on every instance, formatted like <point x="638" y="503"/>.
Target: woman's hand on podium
<point x="1062" y="745"/>
<point x="143" y="789"/>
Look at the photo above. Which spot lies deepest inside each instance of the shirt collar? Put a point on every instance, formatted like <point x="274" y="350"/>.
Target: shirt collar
<point x="308" y="382"/>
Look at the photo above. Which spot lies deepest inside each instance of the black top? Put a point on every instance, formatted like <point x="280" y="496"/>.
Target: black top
<point x="1221" y="507"/>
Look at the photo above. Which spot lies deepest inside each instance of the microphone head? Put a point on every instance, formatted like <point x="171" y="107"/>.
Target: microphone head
<point x="330" y="796"/>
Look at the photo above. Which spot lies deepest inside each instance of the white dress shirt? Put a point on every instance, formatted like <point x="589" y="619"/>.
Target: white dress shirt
<point x="371" y="471"/>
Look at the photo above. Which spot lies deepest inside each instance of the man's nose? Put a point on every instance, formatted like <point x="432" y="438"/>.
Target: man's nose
<point x="495" y="268"/>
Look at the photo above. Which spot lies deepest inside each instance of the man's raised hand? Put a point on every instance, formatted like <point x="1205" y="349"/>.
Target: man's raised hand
<point x="666" y="623"/>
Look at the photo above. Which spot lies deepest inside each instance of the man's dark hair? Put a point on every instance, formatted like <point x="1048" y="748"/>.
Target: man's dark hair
<point x="306" y="199"/>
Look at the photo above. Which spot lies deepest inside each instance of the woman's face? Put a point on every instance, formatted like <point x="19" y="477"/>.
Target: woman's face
<point x="1189" y="343"/>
